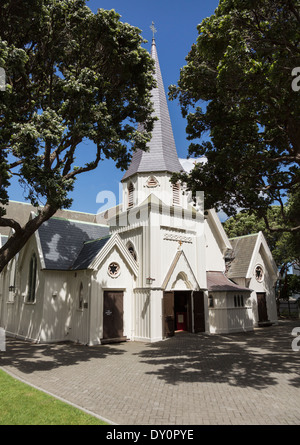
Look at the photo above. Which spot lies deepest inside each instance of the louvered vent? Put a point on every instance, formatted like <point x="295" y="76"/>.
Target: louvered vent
<point x="176" y="193"/>
<point x="152" y="182"/>
<point x="130" y="195"/>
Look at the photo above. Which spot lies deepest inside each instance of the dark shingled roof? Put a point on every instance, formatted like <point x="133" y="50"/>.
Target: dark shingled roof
<point x="243" y="248"/>
<point x="63" y="243"/>
<point x="218" y="282"/>
<point x="88" y="252"/>
<point x="162" y="154"/>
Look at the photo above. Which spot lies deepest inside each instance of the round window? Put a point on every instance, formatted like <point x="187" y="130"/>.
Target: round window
<point x="114" y="270"/>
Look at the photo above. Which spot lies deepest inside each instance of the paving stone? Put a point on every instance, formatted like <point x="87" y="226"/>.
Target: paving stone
<point x="238" y="379"/>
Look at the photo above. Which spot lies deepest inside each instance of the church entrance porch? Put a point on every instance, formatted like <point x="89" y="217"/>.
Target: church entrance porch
<point x="183" y="311"/>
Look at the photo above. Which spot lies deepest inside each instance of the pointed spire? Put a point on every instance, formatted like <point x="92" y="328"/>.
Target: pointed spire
<point x="162" y="154"/>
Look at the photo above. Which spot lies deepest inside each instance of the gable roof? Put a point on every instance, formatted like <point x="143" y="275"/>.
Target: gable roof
<point x="114" y="242"/>
<point x="64" y="243"/>
<point x="218" y="282"/>
<point x="162" y="154"/>
<point x="243" y="248"/>
<point x="88" y="252"/>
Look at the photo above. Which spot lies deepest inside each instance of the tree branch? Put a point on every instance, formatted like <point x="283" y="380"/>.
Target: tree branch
<point x="280" y="229"/>
<point x="9" y="222"/>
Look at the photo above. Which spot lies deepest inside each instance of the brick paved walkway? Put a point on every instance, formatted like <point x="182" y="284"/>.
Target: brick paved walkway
<point x="186" y="380"/>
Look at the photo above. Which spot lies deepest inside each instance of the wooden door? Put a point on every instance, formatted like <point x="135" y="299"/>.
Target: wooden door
<point x="113" y="315"/>
<point x="199" y="315"/>
<point x="168" y="314"/>
<point x="262" y="307"/>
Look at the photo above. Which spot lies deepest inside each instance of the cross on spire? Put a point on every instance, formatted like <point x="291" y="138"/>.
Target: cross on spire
<point x="153" y="29"/>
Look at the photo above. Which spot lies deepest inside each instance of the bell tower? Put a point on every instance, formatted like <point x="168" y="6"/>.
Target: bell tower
<point x="150" y="172"/>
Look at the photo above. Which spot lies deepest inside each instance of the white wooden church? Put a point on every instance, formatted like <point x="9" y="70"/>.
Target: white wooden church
<point x="156" y="265"/>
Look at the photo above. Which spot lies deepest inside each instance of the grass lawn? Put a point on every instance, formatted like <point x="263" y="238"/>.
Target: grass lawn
<point x="20" y="404"/>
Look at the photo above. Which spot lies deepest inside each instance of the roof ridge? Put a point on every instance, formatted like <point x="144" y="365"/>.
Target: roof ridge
<point x="244" y="236"/>
<point x="79" y="221"/>
<point x="96" y="239"/>
<point x="61" y="210"/>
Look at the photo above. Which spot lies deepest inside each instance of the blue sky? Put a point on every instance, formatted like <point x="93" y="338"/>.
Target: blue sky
<point x="176" y="23"/>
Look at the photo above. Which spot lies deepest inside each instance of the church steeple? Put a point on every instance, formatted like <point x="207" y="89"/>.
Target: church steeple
<point x="162" y="154"/>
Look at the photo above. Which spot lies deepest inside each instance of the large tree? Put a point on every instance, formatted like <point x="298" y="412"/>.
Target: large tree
<point x="285" y="246"/>
<point x="241" y="99"/>
<point x="71" y="76"/>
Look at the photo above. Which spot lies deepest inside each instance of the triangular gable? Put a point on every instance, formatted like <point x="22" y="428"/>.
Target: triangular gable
<point x="114" y="241"/>
<point x="218" y="231"/>
<point x="180" y="271"/>
<point x="139" y="214"/>
<point x="261" y="242"/>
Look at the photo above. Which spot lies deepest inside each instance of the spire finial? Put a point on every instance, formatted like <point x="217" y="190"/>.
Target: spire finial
<point x="153" y="29"/>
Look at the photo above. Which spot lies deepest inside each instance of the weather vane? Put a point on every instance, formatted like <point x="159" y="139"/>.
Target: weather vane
<point x="153" y="29"/>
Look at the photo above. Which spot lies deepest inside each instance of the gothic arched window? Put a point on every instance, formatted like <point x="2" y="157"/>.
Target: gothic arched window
<point x="80" y="296"/>
<point x="131" y="249"/>
<point x="259" y="274"/>
<point x="32" y="278"/>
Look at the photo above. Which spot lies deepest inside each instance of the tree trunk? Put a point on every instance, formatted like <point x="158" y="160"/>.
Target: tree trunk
<point x="20" y="237"/>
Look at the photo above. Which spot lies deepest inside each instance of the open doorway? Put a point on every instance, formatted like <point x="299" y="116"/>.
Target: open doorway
<point x="183" y="311"/>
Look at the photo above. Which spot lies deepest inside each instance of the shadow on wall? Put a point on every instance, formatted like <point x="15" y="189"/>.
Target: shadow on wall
<point x="62" y="243"/>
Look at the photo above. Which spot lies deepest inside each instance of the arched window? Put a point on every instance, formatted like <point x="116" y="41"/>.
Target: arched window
<point x="80" y="296"/>
<point x="131" y="249"/>
<point x="32" y="279"/>
<point x="176" y="193"/>
<point x="130" y="195"/>
<point x="259" y="274"/>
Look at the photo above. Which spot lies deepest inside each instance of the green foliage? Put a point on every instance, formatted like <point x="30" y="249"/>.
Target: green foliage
<point x="290" y="285"/>
<point x="241" y="68"/>
<point x="71" y="76"/>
